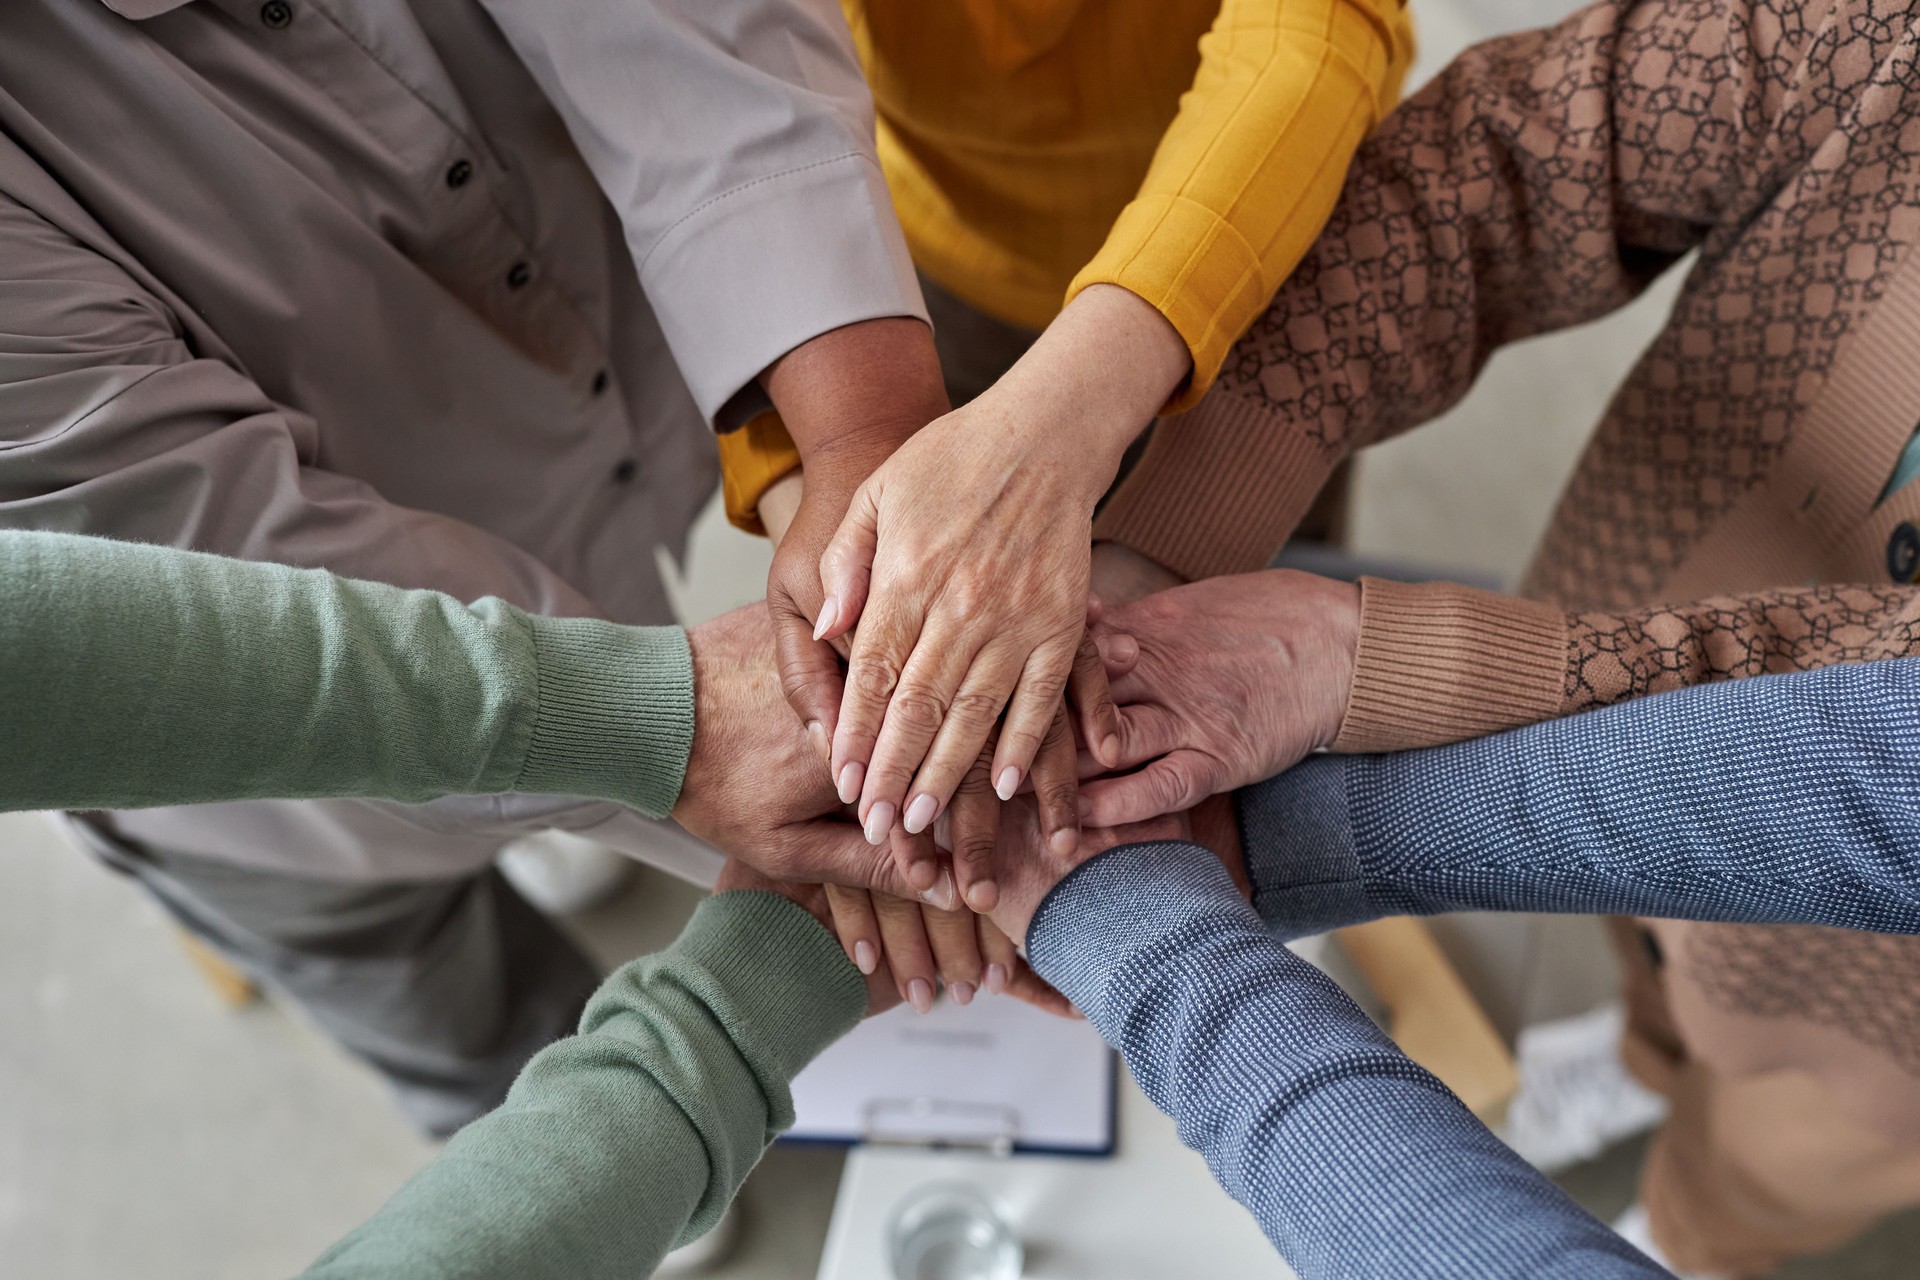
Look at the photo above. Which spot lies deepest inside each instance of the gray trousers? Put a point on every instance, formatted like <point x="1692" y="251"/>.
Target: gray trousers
<point x="446" y="987"/>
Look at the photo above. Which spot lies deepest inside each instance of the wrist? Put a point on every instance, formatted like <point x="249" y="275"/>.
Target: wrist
<point x="1101" y="371"/>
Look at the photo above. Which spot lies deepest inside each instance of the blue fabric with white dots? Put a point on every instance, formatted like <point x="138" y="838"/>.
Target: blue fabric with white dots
<point x="1356" y="1163"/>
<point x="1778" y="799"/>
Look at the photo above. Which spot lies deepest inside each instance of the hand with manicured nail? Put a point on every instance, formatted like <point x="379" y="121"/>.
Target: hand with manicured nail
<point x="1219" y="684"/>
<point x="923" y="949"/>
<point x="961" y="568"/>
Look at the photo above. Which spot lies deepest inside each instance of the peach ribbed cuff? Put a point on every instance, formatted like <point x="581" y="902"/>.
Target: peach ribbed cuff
<point x="1218" y="490"/>
<point x="1438" y="662"/>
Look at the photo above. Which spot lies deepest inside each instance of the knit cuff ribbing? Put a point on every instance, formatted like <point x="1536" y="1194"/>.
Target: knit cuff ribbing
<point x="1438" y="663"/>
<point x="1218" y="490"/>
<point x="778" y="979"/>
<point x="616" y="713"/>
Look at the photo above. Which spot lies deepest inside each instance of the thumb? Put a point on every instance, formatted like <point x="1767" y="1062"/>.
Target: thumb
<point x="836" y="852"/>
<point x="846" y="566"/>
<point x="809" y="671"/>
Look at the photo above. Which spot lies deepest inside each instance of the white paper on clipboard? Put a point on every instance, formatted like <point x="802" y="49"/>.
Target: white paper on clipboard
<point x="995" y="1073"/>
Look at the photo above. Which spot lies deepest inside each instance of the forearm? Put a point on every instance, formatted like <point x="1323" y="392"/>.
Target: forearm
<point x="851" y="396"/>
<point x="1775" y="800"/>
<point x="1527" y="188"/>
<point x="1354" y="1161"/>
<point x="1246" y="175"/>
<point x="631" y="1137"/>
<point x="142" y="675"/>
<point x="1439" y="663"/>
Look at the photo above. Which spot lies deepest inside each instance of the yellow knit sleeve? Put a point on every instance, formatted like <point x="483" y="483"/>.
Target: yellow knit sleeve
<point x="751" y="459"/>
<point x="1248" y="173"/>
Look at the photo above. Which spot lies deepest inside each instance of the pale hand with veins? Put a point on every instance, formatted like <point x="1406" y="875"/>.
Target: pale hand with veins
<point x="965" y="560"/>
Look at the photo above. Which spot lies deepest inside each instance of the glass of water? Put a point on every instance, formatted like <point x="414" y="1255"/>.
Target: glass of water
<point x="952" y="1231"/>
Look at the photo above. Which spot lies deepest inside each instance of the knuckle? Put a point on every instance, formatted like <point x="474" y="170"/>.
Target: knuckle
<point x="916" y="708"/>
<point x="976" y="707"/>
<point x="874" y="677"/>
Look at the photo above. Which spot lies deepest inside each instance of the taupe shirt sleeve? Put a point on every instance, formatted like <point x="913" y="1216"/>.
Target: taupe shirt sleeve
<point x="736" y="142"/>
<point x="112" y="424"/>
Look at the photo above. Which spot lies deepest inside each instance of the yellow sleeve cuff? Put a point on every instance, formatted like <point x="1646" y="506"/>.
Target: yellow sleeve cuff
<point x="751" y="460"/>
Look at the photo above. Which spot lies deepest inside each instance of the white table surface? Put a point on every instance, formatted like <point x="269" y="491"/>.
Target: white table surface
<point x="1150" y="1212"/>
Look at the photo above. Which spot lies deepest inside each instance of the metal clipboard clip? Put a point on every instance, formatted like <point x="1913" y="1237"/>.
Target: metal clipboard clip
<point x="937" y="1125"/>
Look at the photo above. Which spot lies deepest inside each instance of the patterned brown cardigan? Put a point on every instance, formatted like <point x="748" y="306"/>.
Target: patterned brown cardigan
<point x="1541" y="181"/>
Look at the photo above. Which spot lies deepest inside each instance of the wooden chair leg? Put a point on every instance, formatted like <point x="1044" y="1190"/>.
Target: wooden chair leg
<point x="232" y="987"/>
<point x="1431" y="1014"/>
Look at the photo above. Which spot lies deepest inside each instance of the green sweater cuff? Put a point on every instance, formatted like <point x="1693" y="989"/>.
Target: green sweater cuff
<point x="615" y="720"/>
<point x="775" y="976"/>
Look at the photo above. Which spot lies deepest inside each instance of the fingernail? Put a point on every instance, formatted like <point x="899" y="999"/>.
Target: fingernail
<point x="962" y="992"/>
<point x="940" y="896"/>
<point x="1110" y="747"/>
<point x="920" y="814"/>
<point x="879" y="822"/>
<point x="1063" y="842"/>
<point x="852" y="774"/>
<point x="829" y="614"/>
<point x="1007" y="783"/>
<point x="865" y="958"/>
<point x="1123" y="649"/>
<point x="923" y="875"/>
<point x="983" y="896"/>
<point x="1084" y="808"/>
<point x="920" y="995"/>
<point x="817" y="735"/>
<point x="996" y="979"/>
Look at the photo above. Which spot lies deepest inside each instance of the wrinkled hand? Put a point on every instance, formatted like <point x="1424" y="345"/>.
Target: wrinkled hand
<point x="926" y="949"/>
<point x="1220" y="684"/>
<point x="882" y="993"/>
<point x="754" y="787"/>
<point x="964" y="560"/>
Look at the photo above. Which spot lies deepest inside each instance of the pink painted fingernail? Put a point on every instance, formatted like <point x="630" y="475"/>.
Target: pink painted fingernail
<point x="996" y="979"/>
<point x="920" y="814"/>
<point x="941" y="896"/>
<point x="852" y="775"/>
<point x="962" y="992"/>
<point x="879" y="822"/>
<point x="1007" y="783"/>
<point x="920" y="995"/>
<point x="865" y="959"/>
<point x="829" y="614"/>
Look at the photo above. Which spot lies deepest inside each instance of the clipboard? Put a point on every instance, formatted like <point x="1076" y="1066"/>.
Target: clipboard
<point x="996" y="1075"/>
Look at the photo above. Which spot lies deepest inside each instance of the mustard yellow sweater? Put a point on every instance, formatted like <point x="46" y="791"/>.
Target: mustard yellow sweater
<point x="1186" y="150"/>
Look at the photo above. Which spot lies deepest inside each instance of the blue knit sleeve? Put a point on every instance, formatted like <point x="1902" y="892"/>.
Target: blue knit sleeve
<point x="1778" y="799"/>
<point x="1355" y="1161"/>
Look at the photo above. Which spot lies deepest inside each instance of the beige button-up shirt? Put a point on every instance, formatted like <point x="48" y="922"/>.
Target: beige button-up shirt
<point x="445" y="293"/>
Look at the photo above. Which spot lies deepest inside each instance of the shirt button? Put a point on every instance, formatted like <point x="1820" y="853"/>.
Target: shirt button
<point x="626" y="471"/>
<point x="458" y="174"/>
<point x="1903" y="553"/>
<point x="600" y="383"/>
<point x="276" y="14"/>
<point x="518" y="274"/>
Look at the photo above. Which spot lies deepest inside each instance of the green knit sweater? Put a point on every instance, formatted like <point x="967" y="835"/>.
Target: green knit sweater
<point x="631" y="1137"/>
<point x="136" y="675"/>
